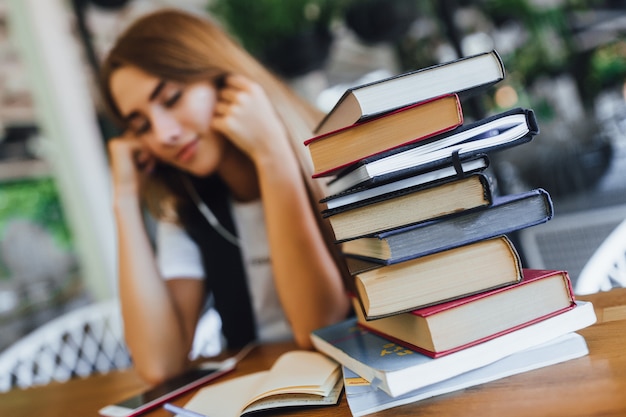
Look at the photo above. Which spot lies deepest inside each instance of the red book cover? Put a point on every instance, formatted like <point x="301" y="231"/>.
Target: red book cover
<point x="530" y="275"/>
<point x="363" y="126"/>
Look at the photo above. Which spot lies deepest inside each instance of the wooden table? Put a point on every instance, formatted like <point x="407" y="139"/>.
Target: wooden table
<point x="594" y="385"/>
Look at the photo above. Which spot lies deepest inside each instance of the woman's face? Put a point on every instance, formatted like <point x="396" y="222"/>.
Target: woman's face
<point x="171" y="119"/>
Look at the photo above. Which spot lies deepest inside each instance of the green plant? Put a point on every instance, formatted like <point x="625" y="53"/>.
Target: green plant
<point x="608" y="66"/>
<point x="37" y="200"/>
<point x="258" y="23"/>
<point x="549" y="47"/>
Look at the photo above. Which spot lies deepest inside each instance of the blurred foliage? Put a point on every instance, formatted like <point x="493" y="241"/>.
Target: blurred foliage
<point x="38" y="201"/>
<point x="259" y="22"/>
<point x="378" y="21"/>
<point x="608" y="66"/>
<point x="291" y="38"/>
<point x="549" y="46"/>
<point x="280" y="33"/>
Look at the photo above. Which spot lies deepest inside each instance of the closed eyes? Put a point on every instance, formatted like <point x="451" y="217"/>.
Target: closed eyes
<point x="173" y="98"/>
<point x="167" y="95"/>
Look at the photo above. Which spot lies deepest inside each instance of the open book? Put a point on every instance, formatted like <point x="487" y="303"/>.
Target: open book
<point x="297" y="378"/>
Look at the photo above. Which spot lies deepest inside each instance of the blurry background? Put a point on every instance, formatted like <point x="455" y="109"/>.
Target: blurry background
<point x="565" y="59"/>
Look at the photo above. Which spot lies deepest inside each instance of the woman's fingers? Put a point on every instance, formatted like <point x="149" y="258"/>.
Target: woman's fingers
<point x="144" y="161"/>
<point x="130" y="163"/>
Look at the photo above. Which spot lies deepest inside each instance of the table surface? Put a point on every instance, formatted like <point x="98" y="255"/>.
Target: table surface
<point x="594" y="385"/>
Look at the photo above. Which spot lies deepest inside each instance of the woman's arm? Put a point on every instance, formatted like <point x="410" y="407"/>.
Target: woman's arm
<point x="307" y="278"/>
<point x="159" y="317"/>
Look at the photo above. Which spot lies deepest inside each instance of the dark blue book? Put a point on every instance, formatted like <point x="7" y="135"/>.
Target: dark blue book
<point x="407" y="206"/>
<point x="506" y="214"/>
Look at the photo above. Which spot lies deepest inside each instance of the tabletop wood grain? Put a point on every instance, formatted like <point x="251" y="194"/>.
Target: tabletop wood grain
<point x="594" y="385"/>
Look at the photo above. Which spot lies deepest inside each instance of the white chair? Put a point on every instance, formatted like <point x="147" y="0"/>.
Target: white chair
<point x="570" y="239"/>
<point x="606" y="268"/>
<point x="84" y="341"/>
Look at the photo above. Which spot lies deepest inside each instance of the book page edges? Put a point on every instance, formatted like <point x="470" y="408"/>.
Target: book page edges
<point x="229" y="398"/>
<point x="434" y="100"/>
<point x="305" y="391"/>
<point x="364" y="399"/>
<point x="338" y="342"/>
<point x="328" y="170"/>
<point x="527" y="279"/>
<point x="501" y="243"/>
<point x="346" y="111"/>
<point x="437" y="354"/>
<point x="299" y="372"/>
<point x="581" y="316"/>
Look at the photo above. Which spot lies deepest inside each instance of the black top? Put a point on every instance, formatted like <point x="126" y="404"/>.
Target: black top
<point x="222" y="261"/>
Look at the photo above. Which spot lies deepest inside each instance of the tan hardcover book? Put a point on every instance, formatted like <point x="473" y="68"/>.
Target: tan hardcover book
<point x="408" y="206"/>
<point x="445" y="328"/>
<point x="439" y="277"/>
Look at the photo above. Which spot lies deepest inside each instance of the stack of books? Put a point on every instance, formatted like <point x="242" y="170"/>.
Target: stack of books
<point x="439" y="288"/>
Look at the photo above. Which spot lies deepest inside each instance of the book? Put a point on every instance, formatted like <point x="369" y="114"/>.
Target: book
<point x="335" y="150"/>
<point x="377" y="188"/>
<point x="364" y="398"/>
<point x="444" y="328"/>
<point x="398" y="370"/>
<point x="297" y="378"/>
<point x="506" y="214"/>
<point x="491" y="134"/>
<point x="357" y="265"/>
<point x="401" y="207"/>
<point x="478" y="71"/>
<point x="442" y="276"/>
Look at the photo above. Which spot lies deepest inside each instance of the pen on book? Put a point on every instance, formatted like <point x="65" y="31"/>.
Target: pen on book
<point x="183" y="412"/>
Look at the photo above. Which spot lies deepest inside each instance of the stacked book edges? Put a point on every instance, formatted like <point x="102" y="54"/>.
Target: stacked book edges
<point x="365" y="398"/>
<point x="441" y="298"/>
<point x="397" y="370"/>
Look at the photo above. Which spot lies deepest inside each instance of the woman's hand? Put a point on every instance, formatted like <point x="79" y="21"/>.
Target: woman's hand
<point x="131" y="163"/>
<point x="245" y="115"/>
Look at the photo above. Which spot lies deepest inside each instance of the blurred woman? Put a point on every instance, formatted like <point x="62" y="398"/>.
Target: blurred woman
<point x="212" y="147"/>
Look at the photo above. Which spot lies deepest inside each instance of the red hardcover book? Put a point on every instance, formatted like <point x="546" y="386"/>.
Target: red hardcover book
<point x="338" y="149"/>
<point x="451" y="326"/>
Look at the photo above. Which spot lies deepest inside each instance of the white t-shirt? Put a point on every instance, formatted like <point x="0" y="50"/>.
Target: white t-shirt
<point x="179" y="256"/>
